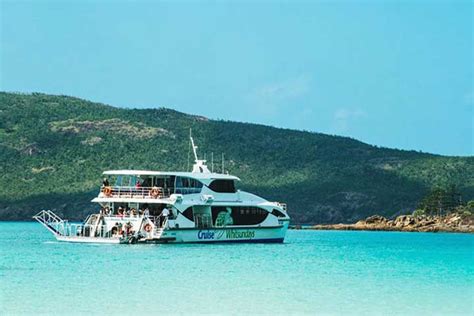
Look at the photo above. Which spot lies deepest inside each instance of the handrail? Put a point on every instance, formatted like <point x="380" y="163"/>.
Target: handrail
<point x="137" y="192"/>
<point x="87" y="230"/>
<point x="63" y="228"/>
<point x="145" y="192"/>
<point x="49" y="220"/>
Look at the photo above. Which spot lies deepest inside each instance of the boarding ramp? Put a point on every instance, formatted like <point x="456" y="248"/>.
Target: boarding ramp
<point x="51" y="221"/>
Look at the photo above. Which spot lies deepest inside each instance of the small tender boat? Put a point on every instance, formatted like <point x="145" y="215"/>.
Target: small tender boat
<point x="173" y="207"/>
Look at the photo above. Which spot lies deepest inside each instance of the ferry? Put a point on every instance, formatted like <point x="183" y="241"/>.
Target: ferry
<point x="173" y="207"/>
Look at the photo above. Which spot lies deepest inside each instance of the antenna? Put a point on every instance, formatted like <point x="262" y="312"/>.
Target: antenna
<point x="189" y="149"/>
<point x="194" y="146"/>
<point x="223" y="163"/>
<point x="212" y="162"/>
<point x="199" y="164"/>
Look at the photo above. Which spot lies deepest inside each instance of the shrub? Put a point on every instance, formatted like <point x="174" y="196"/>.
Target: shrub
<point x="418" y="213"/>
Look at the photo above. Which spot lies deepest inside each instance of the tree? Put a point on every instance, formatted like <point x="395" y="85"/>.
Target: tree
<point x="441" y="201"/>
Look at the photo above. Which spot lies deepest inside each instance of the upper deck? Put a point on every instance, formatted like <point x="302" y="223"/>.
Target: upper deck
<point x="146" y="184"/>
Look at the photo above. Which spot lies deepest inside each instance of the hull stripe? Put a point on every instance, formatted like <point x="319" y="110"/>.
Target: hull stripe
<point x="245" y="241"/>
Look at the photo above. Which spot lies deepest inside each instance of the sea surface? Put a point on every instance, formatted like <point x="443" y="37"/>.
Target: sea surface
<point x="313" y="272"/>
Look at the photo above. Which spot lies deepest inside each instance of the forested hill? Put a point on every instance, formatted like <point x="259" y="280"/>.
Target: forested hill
<point x="53" y="150"/>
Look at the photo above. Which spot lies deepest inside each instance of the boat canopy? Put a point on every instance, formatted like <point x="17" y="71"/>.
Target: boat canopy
<point x="194" y="175"/>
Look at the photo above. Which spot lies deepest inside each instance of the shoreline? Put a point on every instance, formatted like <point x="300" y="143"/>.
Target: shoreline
<point x="451" y="223"/>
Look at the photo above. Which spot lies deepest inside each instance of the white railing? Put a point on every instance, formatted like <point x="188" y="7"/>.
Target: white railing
<point x="49" y="220"/>
<point x="89" y="230"/>
<point x="136" y="192"/>
<point x="63" y="228"/>
<point x="145" y="192"/>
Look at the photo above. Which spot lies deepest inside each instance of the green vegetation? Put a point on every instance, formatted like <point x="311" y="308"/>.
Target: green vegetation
<point x="53" y="150"/>
<point x="441" y="201"/>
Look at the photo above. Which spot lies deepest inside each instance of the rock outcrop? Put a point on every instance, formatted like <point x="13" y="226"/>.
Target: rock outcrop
<point x="408" y="223"/>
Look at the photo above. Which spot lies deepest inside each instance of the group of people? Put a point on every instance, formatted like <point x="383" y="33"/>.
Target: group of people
<point x="125" y="212"/>
<point x="122" y="230"/>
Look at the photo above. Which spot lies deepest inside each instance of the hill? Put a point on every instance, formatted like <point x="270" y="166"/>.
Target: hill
<point x="53" y="150"/>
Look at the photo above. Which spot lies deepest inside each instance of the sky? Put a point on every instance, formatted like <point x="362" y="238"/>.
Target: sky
<point x="395" y="74"/>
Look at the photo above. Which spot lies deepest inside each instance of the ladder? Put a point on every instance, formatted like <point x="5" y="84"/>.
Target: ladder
<point x="50" y="220"/>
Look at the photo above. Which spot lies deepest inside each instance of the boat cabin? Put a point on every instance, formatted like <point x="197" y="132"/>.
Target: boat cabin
<point x="152" y="184"/>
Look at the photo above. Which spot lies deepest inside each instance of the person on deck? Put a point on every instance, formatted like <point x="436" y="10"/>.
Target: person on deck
<point x="164" y="215"/>
<point x="105" y="183"/>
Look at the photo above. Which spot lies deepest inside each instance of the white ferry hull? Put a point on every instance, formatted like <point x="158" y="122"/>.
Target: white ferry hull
<point x="213" y="235"/>
<point x="90" y="240"/>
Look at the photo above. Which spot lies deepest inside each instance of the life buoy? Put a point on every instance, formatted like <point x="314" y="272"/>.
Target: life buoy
<point x="107" y="191"/>
<point x="155" y="192"/>
<point x="148" y="228"/>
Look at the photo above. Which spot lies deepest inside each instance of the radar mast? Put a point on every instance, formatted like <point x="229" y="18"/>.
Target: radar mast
<point x="199" y="164"/>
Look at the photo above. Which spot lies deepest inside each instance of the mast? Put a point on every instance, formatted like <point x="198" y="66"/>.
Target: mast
<point x="223" y="163"/>
<point x="212" y="162"/>
<point x="193" y="146"/>
<point x="199" y="164"/>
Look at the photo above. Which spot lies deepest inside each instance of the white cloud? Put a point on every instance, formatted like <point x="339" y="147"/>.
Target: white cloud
<point x="270" y="98"/>
<point x="344" y="119"/>
<point x="292" y="88"/>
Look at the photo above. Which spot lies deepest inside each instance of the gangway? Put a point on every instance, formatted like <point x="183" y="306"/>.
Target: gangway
<point x="51" y="221"/>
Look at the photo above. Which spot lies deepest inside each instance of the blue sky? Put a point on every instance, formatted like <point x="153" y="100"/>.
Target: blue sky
<point x="390" y="73"/>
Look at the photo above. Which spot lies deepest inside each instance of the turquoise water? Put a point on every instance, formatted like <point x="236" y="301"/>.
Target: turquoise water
<point x="313" y="272"/>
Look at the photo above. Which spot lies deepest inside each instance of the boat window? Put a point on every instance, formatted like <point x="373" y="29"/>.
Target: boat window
<point x="222" y="186"/>
<point x="169" y="182"/>
<point x="221" y="216"/>
<point x="186" y="185"/>
<point x="125" y="180"/>
<point x="188" y="213"/>
<point x="277" y="213"/>
<point x="216" y="210"/>
<point x="248" y="215"/>
<point x="159" y="182"/>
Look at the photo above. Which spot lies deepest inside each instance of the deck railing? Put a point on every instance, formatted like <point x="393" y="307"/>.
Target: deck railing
<point x="60" y="227"/>
<point x="88" y="230"/>
<point x="104" y="231"/>
<point x="136" y="192"/>
<point x="144" y="192"/>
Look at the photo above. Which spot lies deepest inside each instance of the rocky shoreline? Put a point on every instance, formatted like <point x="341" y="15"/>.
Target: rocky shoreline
<point x="454" y="222"/>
